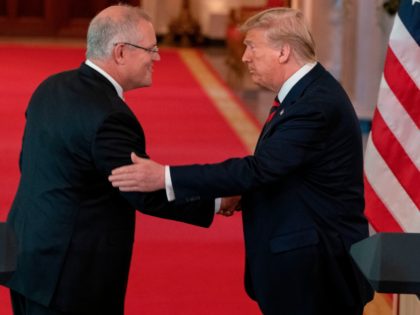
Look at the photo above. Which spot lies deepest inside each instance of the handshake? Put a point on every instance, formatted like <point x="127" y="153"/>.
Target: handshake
<point x="146" y="175"/>
<point x="229" y="205"/>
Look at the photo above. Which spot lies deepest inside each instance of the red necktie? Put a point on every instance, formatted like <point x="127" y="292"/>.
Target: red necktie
<point x="276" y="105"/>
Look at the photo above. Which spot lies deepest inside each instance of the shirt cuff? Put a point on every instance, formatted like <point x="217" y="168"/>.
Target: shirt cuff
<point x="217" y="204"/>
<point x="170" y="193"/>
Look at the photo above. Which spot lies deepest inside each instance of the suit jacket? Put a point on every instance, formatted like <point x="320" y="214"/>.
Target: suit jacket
<point x="302" y="201"/>
<point x="75" y="231"/>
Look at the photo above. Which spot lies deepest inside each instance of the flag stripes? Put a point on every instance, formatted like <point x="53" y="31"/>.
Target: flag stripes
<point x="406" y="48"/>
<point x="392" y="158"/>
<point x="379" y="215"/>
<point x="391" y="193"/>
<point x="400" y="82"/>
<point x="396" y="158"/>
<point x="399" y="122"/>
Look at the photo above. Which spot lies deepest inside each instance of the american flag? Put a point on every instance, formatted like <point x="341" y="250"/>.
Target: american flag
<point x="392" y="158"/>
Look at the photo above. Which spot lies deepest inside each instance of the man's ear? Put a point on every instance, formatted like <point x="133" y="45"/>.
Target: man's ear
<point x="118" y="53"/>
<point x="284" y="53"/>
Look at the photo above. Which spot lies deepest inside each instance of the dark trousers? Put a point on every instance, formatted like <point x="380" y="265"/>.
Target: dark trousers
<point x="22" y="306"/>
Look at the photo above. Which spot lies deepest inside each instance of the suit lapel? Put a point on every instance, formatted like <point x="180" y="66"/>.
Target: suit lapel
<point x="295" y="93"/>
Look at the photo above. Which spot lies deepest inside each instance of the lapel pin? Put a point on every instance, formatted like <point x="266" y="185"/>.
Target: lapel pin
<point x="281" y="112"/>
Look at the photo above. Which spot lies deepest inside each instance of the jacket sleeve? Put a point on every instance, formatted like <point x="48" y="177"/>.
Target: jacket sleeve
<point x="289" y="145"/>
<point x="119" y="135"/>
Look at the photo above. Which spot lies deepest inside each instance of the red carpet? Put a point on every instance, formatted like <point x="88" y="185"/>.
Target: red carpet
<point x="176" y="268"/>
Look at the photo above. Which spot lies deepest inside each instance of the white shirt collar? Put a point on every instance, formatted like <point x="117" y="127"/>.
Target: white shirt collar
<point x="106" y="75"/>
<point x="290" y="82"/>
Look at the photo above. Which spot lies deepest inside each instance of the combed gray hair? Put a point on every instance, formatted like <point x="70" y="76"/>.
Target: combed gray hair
<point x="105" y="31"/>
<point x="285" y="25"/>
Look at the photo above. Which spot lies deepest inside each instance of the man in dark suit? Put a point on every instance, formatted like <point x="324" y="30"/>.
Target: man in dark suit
<point x="74" y="230"/>
<point x="302" y="190"/>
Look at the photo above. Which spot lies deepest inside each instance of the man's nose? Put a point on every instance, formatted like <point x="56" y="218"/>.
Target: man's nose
<point x="245" y="56"/>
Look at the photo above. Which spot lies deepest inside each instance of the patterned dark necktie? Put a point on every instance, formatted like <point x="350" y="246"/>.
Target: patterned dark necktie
<point x="276" y="105"/>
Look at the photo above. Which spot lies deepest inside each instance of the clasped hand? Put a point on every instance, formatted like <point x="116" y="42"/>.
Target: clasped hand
<point x="229" y="205"/>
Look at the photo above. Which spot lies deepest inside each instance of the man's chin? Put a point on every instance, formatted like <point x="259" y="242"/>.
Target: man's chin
<point x="146" y="84"/>
<point x="261" y="85"/>
<point x="256" y="80"/>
